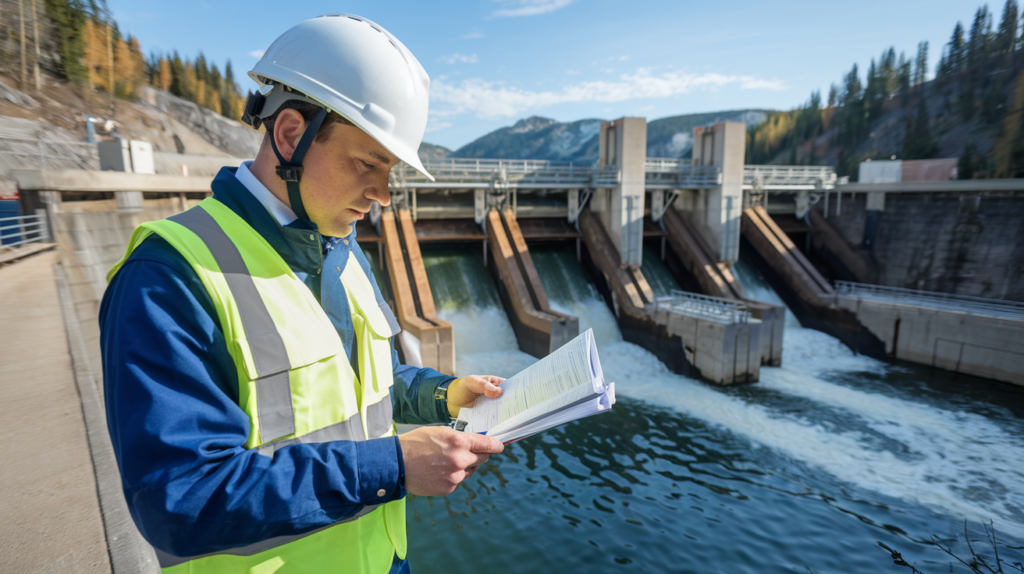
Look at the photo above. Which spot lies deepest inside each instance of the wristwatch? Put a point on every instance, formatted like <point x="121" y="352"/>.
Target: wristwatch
<point x="441" y="394"/>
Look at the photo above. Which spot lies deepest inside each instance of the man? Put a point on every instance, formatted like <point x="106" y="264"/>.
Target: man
<point x="249" y="373"/>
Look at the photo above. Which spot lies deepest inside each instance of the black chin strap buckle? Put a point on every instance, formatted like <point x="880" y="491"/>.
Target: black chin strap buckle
<point x="253" y="107"/>
<point x="290" y="172"/>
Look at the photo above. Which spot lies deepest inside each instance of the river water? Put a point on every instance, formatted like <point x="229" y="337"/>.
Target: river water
<point x="801" y="472"/>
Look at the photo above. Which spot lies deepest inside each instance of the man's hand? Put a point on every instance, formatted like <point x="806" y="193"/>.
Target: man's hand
<point x="437" y="459"/>
<point x="462" y="392"/>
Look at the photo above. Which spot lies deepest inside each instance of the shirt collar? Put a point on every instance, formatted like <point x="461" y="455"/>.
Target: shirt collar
<point x="281" y="212"/>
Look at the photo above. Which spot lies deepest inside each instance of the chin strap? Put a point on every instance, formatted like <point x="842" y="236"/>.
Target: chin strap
<point x="291" y="171"/>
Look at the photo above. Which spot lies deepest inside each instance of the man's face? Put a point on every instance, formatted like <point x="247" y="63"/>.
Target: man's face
<point x="342" y="176"/>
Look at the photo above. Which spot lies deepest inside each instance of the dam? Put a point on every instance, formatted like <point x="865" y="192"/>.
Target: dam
<point x="696" y="277"/>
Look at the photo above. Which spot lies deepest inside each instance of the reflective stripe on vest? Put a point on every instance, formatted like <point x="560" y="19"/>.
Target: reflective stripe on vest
<point x="272" y="386"/>
<point x="295" y="382"/>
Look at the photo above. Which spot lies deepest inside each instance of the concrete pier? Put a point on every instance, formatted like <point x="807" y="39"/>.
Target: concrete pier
<point x="807" y="294"/>
<point x="538" y="329"/>
<point x="723" y="348"/>
<point x="694" y="264"/>
<point x="426" y="340"/>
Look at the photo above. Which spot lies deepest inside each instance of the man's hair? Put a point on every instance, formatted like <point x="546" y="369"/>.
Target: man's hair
<point x="308" y="111"/>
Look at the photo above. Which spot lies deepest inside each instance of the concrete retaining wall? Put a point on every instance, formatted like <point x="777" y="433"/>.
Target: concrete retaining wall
<point x="984" y="346"/>
<point x="966" y="244"/>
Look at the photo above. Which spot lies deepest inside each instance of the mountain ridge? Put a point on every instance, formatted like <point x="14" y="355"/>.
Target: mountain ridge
<point x="538" y="137"/>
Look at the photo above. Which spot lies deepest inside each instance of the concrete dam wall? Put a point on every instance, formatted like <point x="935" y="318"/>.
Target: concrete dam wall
<point x="964" y="244"/>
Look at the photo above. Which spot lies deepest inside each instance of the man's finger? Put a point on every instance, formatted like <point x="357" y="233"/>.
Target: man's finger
<point x="482" y="385"/>
<point x="484" y="444"/>
<point x="491" y="390"/>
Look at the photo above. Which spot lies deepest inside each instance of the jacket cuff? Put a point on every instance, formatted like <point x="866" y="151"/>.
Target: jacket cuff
<point x="443" y="416"/>
<point x="381" y="470"/>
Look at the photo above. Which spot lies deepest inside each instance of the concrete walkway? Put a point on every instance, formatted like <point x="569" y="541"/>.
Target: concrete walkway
<point x="50" y="510"/>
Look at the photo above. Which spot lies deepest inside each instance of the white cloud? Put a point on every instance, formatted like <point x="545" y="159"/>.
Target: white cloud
<point x="495" y="100"/>
<point x="434" y="126"/>
<point x="516" y="8"/>
<point x="458" y="58"/>
<point x="257" y="53"/>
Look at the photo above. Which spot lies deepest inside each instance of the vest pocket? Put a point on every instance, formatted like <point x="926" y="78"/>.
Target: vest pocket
<point x="394" y="521"/>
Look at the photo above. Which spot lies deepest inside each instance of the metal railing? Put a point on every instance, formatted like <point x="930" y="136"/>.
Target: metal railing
<point x="510" y="166"/>
<point x="673" y="173"/>
<point x="660" y="173"/>
<point x="15" y="231"/>
<point x="717" y="309"/>
<point x="932" y="299"/>
<point x="788" y="176"/>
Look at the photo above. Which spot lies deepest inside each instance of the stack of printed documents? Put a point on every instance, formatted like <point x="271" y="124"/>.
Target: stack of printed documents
<point x="564" y="386"/>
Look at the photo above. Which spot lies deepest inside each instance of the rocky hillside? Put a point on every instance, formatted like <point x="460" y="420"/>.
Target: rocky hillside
<point x="545" y="138"/>
<point x="53" y="120"/>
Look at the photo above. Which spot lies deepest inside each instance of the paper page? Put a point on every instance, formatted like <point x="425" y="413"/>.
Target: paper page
<point x="594" y="406"/>
<point x="560" y="373"/>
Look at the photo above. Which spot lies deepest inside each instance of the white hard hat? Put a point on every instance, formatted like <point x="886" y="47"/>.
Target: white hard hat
<point x="354" y="67"/>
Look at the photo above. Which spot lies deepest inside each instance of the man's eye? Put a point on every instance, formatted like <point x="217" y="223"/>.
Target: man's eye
<point x="368" y="165"/>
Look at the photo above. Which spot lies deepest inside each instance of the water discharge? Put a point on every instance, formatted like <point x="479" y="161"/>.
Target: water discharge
<point x="909" y="453"/>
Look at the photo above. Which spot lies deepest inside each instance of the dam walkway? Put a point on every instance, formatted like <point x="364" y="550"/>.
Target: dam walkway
<point x="62" y="507"/>
<point x="52" y="519"/>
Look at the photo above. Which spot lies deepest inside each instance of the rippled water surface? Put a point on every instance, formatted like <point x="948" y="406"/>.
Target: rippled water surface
<point x="803" y="471"/>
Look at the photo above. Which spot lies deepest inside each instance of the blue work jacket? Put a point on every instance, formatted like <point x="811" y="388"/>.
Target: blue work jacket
<point x="171" y="391"/>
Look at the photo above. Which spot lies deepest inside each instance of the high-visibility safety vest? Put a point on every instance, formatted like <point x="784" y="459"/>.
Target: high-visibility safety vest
<point x="295" y="383"/>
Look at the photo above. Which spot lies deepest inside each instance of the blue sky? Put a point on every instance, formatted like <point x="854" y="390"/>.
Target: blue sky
<point x="493" y="62"/>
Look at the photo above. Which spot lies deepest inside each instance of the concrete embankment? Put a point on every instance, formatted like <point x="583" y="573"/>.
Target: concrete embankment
<point x="962" y="336"/>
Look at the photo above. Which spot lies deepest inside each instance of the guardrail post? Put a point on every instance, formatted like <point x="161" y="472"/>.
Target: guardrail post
<point x="51" y="206"/>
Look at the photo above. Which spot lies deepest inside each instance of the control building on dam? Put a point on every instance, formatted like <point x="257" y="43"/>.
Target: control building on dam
<point x="927" y="272"/>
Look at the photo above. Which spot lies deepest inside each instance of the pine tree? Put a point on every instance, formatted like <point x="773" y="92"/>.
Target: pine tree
<point x="69" y="19"/>
<point x="921" y="64"/>
<point x="1006" y="38"/>
<point x="903" y="78"/>
<point x="230" y="99"/>
<point x="968" y="161"/>
<point x="979" y="43"/>
<point x="1013" y="134"/>
<point x="888" y="70"/>
<point x="177" y="86"/>
<point x="918" y="142"/>
<point x="957" y="54"/>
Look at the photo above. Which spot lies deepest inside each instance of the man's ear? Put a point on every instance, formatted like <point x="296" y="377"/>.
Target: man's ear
<point x="288" y="130"/>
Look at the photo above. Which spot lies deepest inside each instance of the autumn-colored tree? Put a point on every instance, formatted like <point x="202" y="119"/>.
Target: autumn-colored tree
<point x="164" y="80"/>
<point x="129" y="68"/>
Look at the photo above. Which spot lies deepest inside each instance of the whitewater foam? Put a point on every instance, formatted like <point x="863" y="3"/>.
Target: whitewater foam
<point x="959" y="463"/>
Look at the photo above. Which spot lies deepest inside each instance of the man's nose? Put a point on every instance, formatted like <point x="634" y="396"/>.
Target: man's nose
<point x="380" y="193"/>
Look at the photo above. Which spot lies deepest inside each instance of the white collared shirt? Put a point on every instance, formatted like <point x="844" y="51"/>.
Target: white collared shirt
<point x="281" y="212"/>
